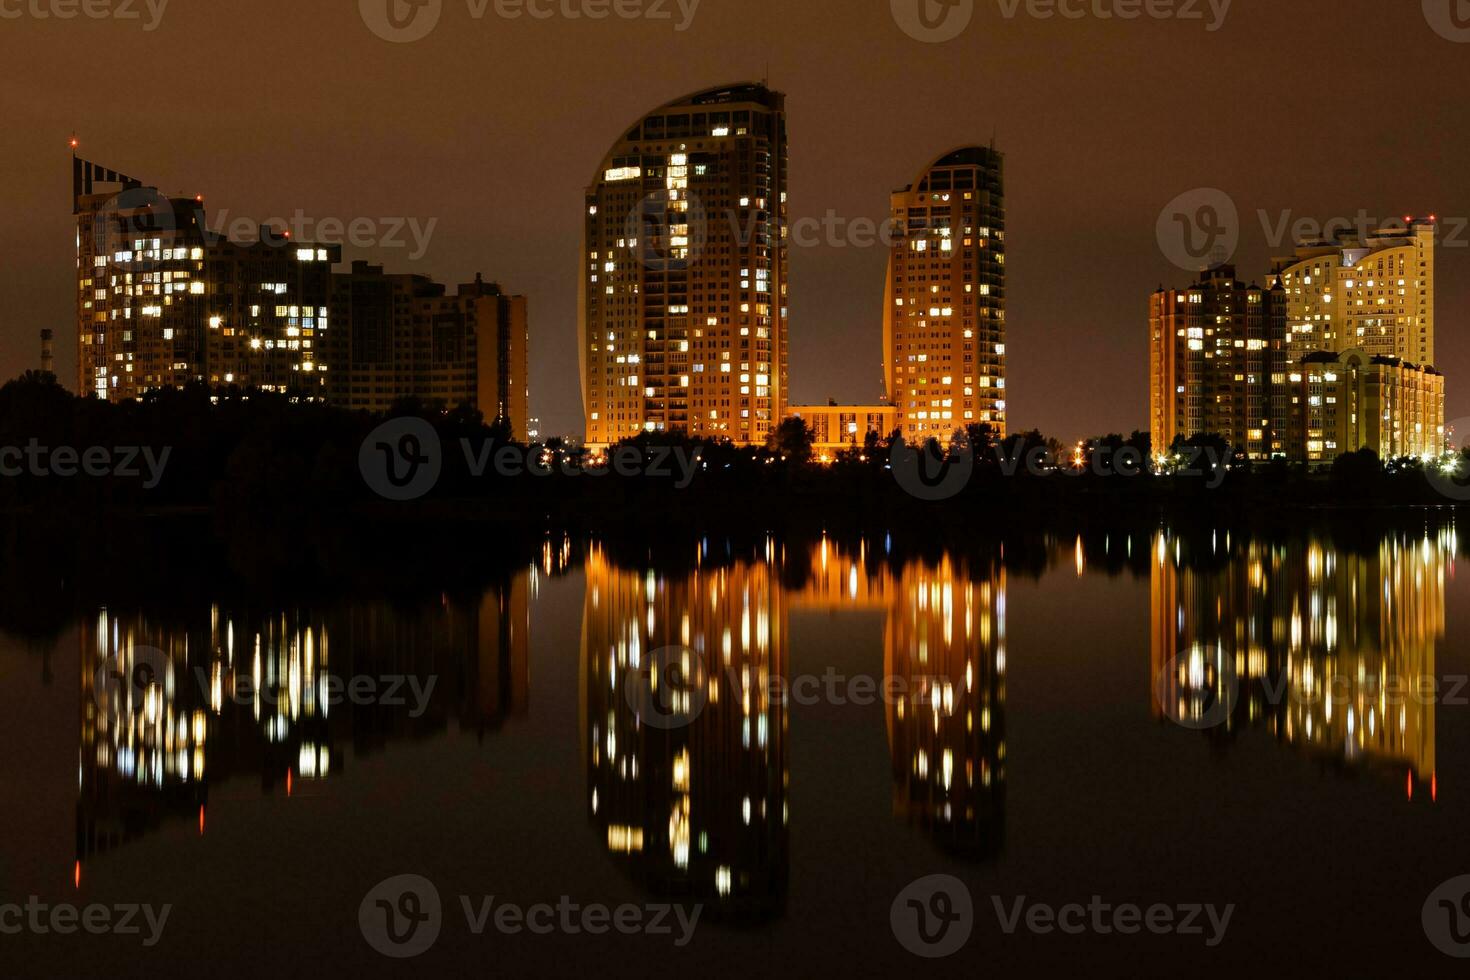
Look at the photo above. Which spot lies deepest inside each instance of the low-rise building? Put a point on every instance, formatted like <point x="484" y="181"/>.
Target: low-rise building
<point x="841" y="427"/>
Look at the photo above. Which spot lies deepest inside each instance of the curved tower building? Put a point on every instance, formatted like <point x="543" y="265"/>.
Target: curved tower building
<point x="683" y="281"/>
<point x="944" y="322"/>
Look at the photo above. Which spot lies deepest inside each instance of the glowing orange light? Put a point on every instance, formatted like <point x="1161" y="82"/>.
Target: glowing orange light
<point x="1411" y="784"/>
<point x="76" y="875"/>
<point x="288" y="782"/>
<point x="201" y="821"/>
<point x="1434" y="787"/>
<point x="74" y="143"/>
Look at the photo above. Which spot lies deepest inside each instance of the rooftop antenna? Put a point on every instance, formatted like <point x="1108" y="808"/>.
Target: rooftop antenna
<point x="76" y="173"/>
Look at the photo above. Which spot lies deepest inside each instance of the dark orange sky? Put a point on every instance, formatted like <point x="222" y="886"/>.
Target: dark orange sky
<point x="494" y="126"/>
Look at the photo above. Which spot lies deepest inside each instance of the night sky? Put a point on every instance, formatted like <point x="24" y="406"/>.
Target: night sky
<point x="494" y="127"/>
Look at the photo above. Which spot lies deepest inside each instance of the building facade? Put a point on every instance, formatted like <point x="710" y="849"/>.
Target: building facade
<point x="1345" y="402"/>
<point x="944" y="334"/>
<point x="164" y="302"/>
<point x="1216" y="350"/>
<point x="1373" y="292"/>
<point x="375" y="312"/>
<point x="406" y="336"/>
<point x="683" y="281"/>
<point x="836" y="428"/>
<point x="1336" y="356"/>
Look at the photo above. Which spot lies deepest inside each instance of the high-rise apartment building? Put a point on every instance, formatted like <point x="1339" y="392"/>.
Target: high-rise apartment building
<point x="405" y="336"/>
<point x="163" y="302"/>
<point x="1215" y="350"/>
<point x="1335" y="357"/>
<point x="683" y="279"/>
<point x="374" y="311"/>
<point x="1373" y="292"/>
<point x="1267" y="369"/>
<point x="944" y="337"/>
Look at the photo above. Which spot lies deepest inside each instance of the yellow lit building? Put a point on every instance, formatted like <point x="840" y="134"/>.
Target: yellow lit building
<point x="1334" y="357"/>
<point x="944" y="334"/>
<point x="1360" y="326"/>
<point x="683" y="273"/>
<point x="1345" y="402"/>
<point x="837" y="428"/>
<point x="1375" y="294"/>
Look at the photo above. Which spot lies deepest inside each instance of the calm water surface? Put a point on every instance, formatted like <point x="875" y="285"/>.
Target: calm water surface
<point x="786" y="736"/>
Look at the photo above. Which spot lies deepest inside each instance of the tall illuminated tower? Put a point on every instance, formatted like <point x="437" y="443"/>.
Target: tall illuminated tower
<point x="683" y="280"/>
<point x="944" y="335"/>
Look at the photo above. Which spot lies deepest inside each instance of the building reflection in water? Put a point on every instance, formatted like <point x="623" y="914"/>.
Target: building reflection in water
<point x="945" y="637"/>
<point x="173" y="707"/>
<point x="700" y="809"/>
<point x="944" y="657"/>
<point x="696" y="809"/>
<point x="1331" y="649"/>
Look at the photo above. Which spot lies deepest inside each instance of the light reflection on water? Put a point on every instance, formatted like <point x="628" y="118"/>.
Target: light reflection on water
<point x="1301" y="638"/>
<point x="1331" y="651"/>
